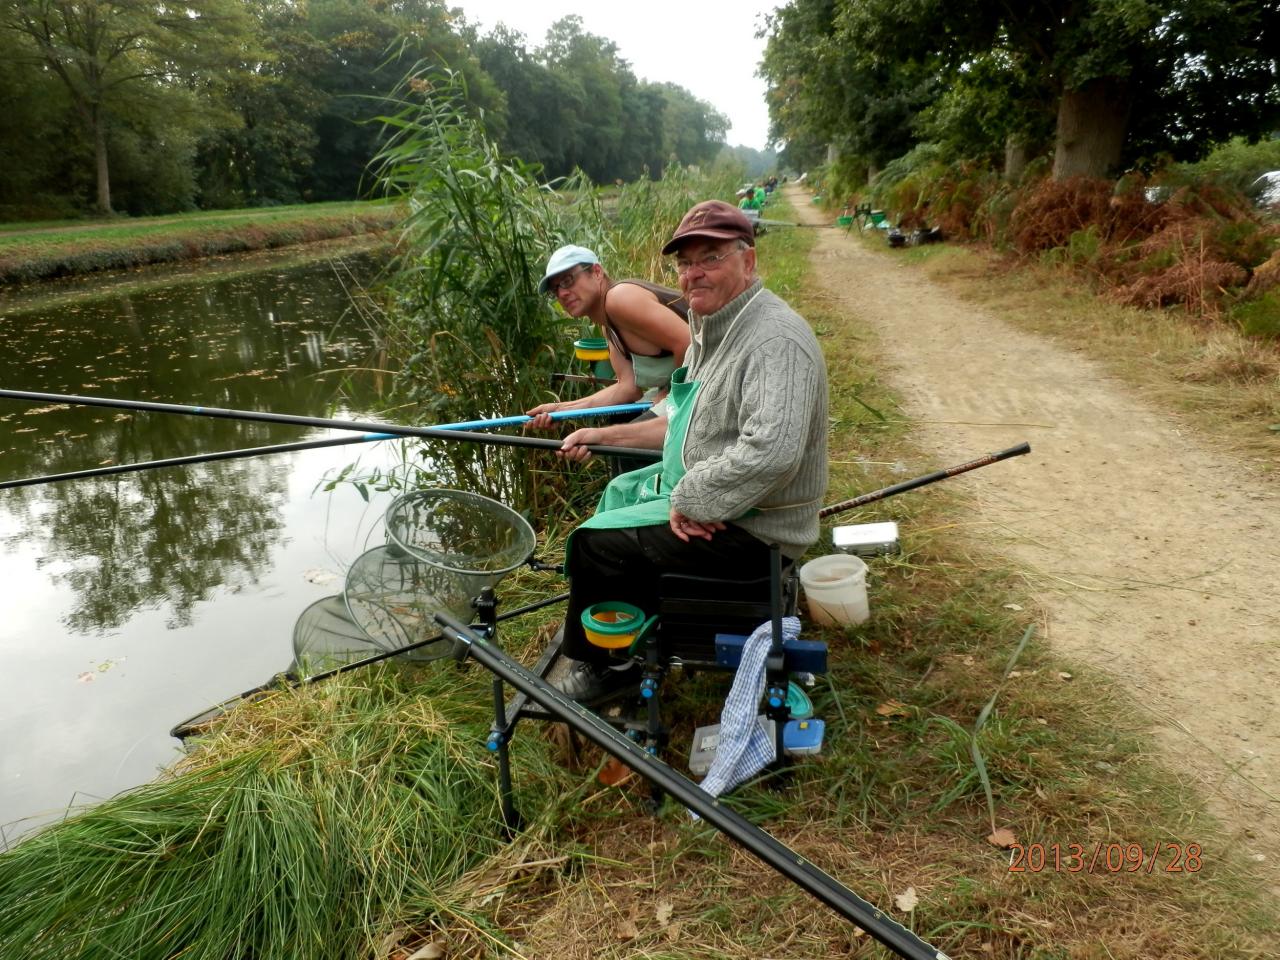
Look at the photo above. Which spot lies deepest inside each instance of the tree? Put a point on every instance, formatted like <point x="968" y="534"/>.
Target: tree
<point x="824" y="89"/>
<point x="368" y="46"/>
<point x="1114" y="67"/>
<point x="102" y="51"/>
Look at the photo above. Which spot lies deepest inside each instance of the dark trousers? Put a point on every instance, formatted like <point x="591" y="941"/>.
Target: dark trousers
<point x="625" y="565"/>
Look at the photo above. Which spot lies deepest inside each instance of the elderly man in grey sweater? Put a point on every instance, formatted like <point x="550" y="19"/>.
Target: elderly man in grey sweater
<point x="744" y="444"/>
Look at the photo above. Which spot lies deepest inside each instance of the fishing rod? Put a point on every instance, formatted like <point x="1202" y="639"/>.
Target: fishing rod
<point x="289" y="679"/>
<point x="194" y="458"/>
<point x="399" y="430"/>
<point x="927" y="479"/>
<point x="306" y="445"/>
<point x="759" y="843"/>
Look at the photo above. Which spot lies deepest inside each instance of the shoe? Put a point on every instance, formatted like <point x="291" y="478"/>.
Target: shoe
<point x="585" y="682"/>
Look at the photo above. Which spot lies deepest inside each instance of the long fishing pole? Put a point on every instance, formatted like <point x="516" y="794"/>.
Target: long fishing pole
<point x="753" y="839"/>
<point x="934" y="477"/>
<point x="305" y="445"/>
<point x="399" y="430"/>
<point x="194" y="458"/>
<point x="290" y="679"/>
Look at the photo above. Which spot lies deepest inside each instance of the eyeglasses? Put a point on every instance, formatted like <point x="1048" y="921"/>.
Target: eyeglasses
<point x="707" y="263"/>
<point x="567" y="281"/>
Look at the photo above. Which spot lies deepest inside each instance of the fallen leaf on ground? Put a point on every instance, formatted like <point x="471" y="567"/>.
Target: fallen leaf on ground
<point x="906" y="901"/>
<point x="663" y="913"/>
<point x="627" y="930"/>
<point x="1012" y="606"/>
<point x="893" y="708"/>
<point x="1063" y="675"/>
<point x="613" y="772"/>
<point x="391" y="941"/>
<point x="432" y="951"/>
<point x="1004" y="838"/>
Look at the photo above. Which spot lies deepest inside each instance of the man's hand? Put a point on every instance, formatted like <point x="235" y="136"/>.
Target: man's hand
<point x="686" y="527"/>
<point x="574" y="446"/>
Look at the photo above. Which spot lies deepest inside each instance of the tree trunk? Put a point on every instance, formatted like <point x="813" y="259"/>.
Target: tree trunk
<point x="100" y="155"/>
<point x="1015" y="159"/>
<point x="1092" y="121"/>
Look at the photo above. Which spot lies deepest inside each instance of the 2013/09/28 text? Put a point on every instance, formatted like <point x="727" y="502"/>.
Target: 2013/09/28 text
<point x="1104" y="857"/>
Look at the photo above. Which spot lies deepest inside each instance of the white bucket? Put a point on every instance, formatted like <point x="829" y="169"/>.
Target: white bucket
<point x="835" y="588"/>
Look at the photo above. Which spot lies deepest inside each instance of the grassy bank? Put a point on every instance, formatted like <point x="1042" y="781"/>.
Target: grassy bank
<point x="898" y="807"/>
<point x="942" y="727"/>
<point x="36" y="252"/>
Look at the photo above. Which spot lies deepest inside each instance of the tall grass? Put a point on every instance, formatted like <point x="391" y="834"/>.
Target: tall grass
<point x="309" y="826"/>
<point x="472" y="335"/>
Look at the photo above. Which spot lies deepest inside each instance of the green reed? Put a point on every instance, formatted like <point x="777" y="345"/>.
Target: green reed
<point x="470" y="333"/>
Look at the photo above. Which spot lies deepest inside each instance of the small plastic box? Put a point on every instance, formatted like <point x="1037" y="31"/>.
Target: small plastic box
<point x="866" y="539"/>
<point x="799" y="738"/>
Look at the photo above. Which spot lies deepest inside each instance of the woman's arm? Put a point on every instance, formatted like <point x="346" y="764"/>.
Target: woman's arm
<point x="645" y="324"/>
<point x="623" y="391"/>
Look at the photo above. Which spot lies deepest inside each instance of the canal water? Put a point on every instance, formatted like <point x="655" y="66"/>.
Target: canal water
<point x="129" y="603"/>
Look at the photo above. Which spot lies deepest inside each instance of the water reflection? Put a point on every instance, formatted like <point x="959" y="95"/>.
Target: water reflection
<point x="281" y="341"/>
<point x="132" y="601"/>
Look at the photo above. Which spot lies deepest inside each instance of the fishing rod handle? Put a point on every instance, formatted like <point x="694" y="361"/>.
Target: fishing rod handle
<point x="1014" y="451"/>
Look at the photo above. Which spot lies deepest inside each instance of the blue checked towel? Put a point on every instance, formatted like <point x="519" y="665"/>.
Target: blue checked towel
<point x="745" y="749"/>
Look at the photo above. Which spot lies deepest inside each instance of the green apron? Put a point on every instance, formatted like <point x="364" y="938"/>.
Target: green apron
<point x="652" y="373"/>
<point x="642" y="498"/>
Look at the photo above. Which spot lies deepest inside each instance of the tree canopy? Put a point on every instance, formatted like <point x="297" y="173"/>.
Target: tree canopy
<point x="144" y="107"/>
<point x="1104" y="82"/>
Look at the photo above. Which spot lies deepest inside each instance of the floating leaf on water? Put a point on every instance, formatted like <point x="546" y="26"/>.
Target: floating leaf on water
<point x="49" y="409"/>
<point x="85" y="677"/>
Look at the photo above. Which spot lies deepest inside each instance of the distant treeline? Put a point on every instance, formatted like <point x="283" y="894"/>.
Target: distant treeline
<point x="148" y="108"/>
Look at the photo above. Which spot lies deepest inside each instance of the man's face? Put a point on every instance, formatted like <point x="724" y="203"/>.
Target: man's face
<point x="573" y="289"/>
<point x="713" y="272"/>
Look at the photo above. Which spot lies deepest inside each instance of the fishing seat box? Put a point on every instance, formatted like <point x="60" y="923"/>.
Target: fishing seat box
<point x="692" y="610"/>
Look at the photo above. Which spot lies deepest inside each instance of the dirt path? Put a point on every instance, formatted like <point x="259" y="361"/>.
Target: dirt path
<point x="1154" y="557"/>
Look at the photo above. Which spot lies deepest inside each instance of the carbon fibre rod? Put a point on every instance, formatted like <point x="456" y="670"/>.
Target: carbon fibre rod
<point x="398" y="430"/>
<point x="193" y="459"/>
<point x="928" y="478"/>
<point x="760" y="844"/>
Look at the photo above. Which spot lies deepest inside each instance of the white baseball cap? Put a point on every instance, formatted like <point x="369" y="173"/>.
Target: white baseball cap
<point x="562" y="260"/>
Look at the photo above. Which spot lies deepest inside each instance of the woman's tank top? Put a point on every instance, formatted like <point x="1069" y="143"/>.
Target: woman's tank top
<point x="650" y="371"/>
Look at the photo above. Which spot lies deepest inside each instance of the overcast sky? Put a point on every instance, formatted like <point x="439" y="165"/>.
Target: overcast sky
<point x="708" y="48"/>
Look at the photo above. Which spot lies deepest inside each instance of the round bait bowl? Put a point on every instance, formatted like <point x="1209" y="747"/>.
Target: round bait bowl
<point x="612" y="624"/>
<point x="844" y="221"/>
<point x="591" y="348"/>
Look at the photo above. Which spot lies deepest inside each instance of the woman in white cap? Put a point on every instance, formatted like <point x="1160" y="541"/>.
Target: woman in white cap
<point x="643" y="323"/>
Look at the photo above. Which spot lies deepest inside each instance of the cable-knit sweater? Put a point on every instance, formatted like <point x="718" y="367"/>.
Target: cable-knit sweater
<point x="756" y="447"/>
